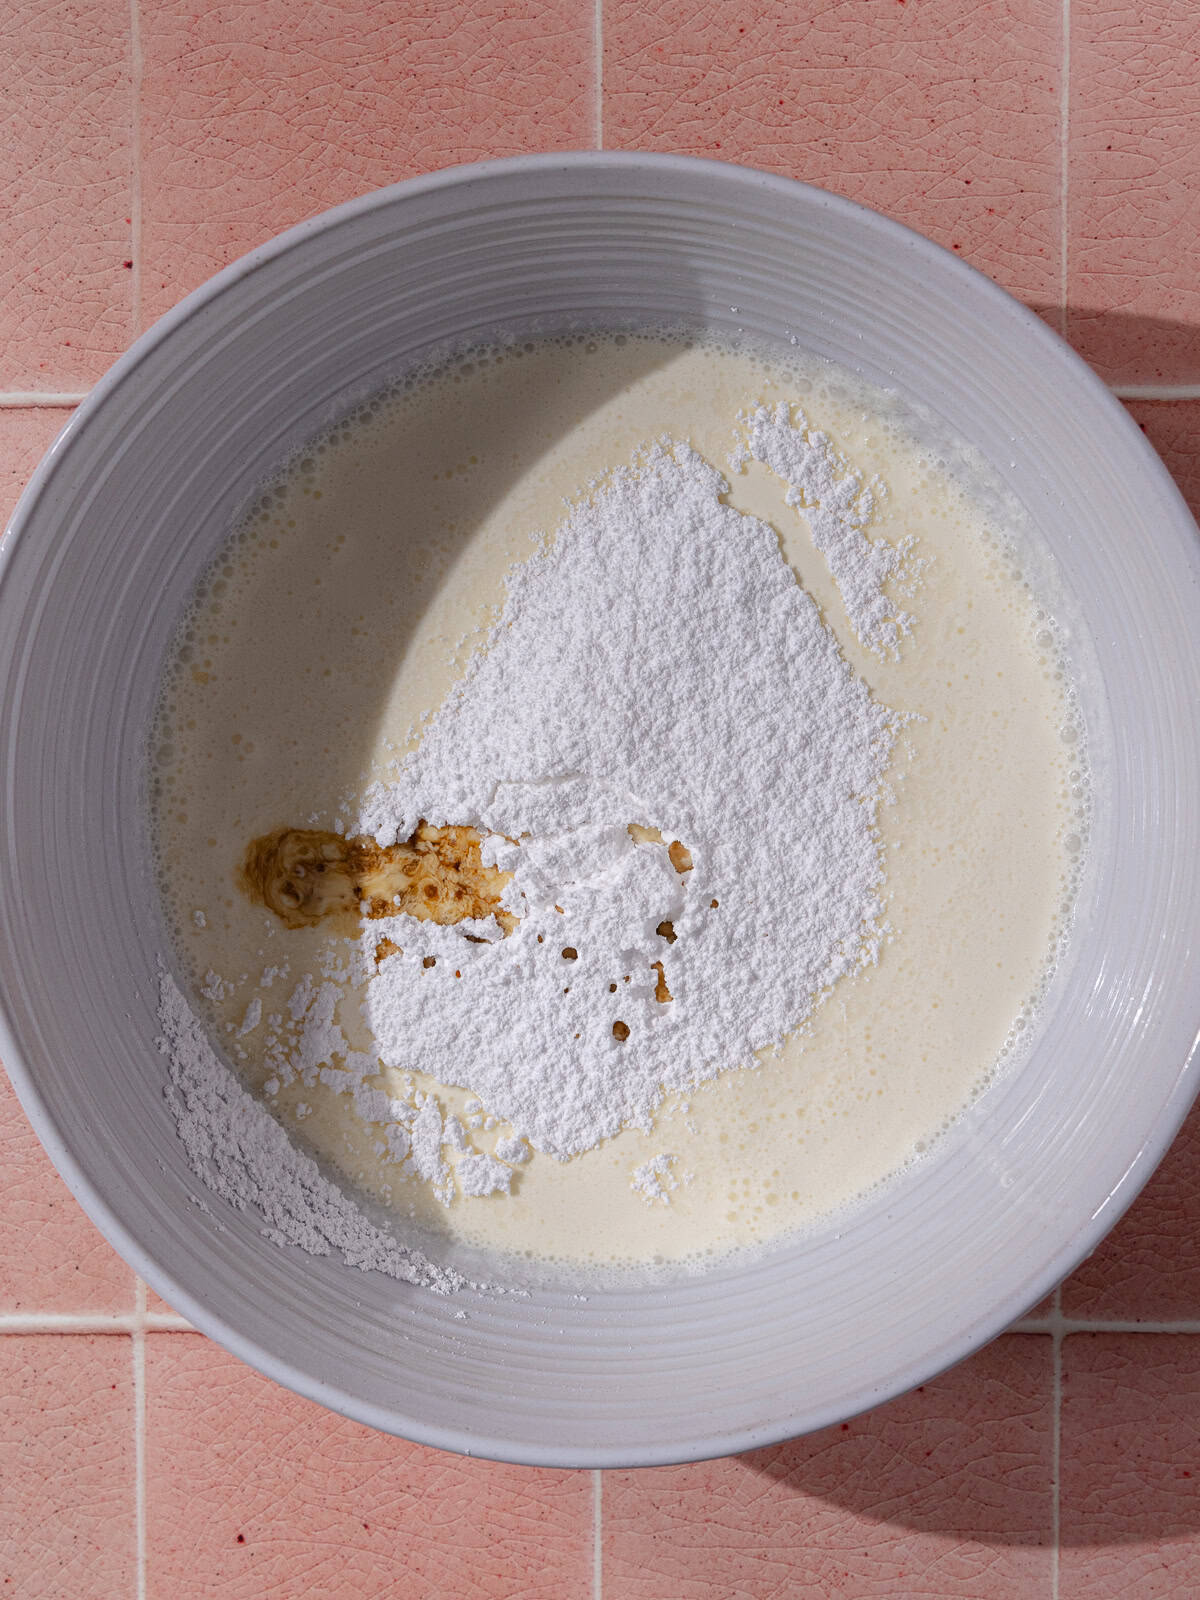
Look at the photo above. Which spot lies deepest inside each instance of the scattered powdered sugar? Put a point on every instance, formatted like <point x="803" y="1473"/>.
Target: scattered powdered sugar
<point x="215" y="987"/>
<point x="839" y="507"/>
<point x="656" y="1180"/>
<point x="480" y="1174"/>
<point x="655" y="664"/>
<point x="514" y="1150"/>
<point x="246" y="1158"/>
<point x="252" y="1017"/>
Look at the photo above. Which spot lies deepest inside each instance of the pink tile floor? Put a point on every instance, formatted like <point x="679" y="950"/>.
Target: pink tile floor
<point x="1056" y="145"/>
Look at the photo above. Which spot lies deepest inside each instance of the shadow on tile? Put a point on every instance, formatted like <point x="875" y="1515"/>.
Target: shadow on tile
<point x="966" y="1457"/>
<point x="945" y="1491"/>
<point x="968" y="1453"/>
<point x="1148" y="1268"/>
<point x="1129" y="350"/>
<point x="1130" y="1434"/>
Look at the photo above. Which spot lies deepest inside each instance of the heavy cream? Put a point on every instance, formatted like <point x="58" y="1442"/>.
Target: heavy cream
<point x="341" y="618"/>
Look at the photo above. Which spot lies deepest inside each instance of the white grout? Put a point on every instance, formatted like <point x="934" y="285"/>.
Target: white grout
<point x="1156" y="391"/>
<point x="1064" y="171"/>
<point x="598" y="80"/>
<point x="1056" y="1451"/>
<point x="1055" y="1323"/>
<point x="1059" y="1327"/>
<point x="139" y="1438"/>
<point x="89" y="1322"/>
<point x="39" y="397"/>
<point x="597" y="1535"/>
<point x="135" y="164"/>
<point x="50" y="400"/>
<point x="171" y="1322"/>
<point x="64" y="399"/>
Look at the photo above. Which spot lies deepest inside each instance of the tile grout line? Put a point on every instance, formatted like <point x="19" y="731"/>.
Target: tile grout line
<point x="135" y="161"/>
<point x="19" y="1322"/>
<point x="51" y="399"/>
<point x="1156" y="391"/>
<point x="1056" y="1448"/>
<point x="597" y="1534"/>
<point x="1064" y="173"/>
<point x="82" y="1322"/>
<point x="25" y="398"/>
<point x="598" y="72"/>
<point x="139" y="1436"/>
<point x="1055" y="1322"/>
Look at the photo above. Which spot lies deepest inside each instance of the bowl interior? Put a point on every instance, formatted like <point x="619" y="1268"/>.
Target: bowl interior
<point x="139" y="492"/>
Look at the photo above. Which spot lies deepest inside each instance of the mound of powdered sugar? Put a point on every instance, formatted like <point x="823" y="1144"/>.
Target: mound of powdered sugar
<point x="662" y="743"/>
<point x="655" y="664"/>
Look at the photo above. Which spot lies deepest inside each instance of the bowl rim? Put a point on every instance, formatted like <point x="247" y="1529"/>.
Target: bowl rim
<point x="965" y="1340"/>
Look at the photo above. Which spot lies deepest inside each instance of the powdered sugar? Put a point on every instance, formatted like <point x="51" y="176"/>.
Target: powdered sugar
<point x="655" y="664"/>
<point x="246" y="1158"/>
<point x="839" y="507"/>
<point x="663" y="745"/>
<point x="656" y="1180"/>
<point x="398" y="537"/>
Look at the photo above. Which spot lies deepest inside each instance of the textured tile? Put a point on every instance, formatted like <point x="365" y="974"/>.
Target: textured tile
<point x="1044" y="1308"/>
<point x="51" y="1257"/>
<point x="1173" y="428"/>
<point x="156" y="1303"/>
<point x="1148" y="1267"/>
<point x="1130" y="1510"/>
<point x="66" y="1466"/>
<point x="255" y="116"/>
<point x="65" y="191"/>
<point x="943" y="115"/>
<point x="1133" y="286"/>
<point x="25" y="436"/>
<point x="944" y="1492"/>
<point x="253" y="1492"/>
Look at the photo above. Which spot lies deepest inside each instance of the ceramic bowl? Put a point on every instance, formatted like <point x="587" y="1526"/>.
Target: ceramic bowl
<point x="143" y="485"/>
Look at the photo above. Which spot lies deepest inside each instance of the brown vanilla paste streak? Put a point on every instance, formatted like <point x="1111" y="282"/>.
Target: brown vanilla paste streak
<point x="305" y="875"/>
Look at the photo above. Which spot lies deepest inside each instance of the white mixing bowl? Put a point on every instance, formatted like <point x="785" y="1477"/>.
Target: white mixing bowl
<point x="133" y="500"/>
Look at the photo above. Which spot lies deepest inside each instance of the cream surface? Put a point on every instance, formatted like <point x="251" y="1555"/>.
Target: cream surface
<point x="341" y="614"/>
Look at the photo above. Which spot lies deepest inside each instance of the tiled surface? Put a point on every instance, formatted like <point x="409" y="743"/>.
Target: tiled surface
<point x="945" y="1491"/>
<point x="51" y="1258"/>
<point x="147" y="144"/>
<point x="67" y="1467"/>
<point x="1130" y="1466"/>
<point x="156" y="1303"/>
<point x="25" y="436"/>
<point x="944" y="114"/>
<point x="1134" y="286"/>
<point x="255" y="116"/>
<point x="66" y="193"/>
<point x="357" y="1513"/>
<point x="1148" y="1268"/>
<point x="1173" y="428"/>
